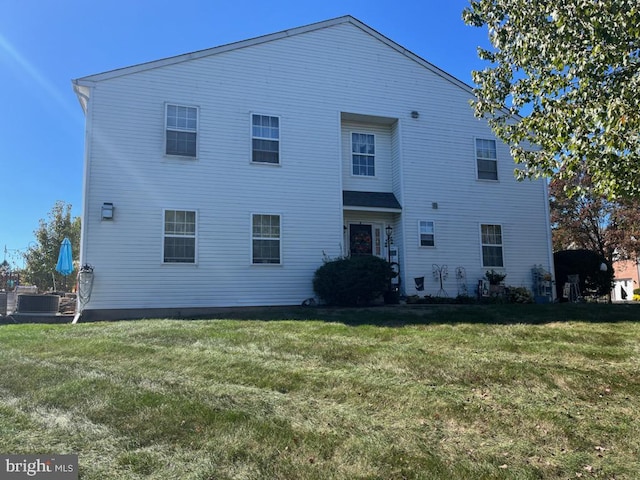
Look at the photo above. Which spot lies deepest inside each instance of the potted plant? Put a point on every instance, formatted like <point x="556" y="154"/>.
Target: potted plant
<point x="495" y="282"/>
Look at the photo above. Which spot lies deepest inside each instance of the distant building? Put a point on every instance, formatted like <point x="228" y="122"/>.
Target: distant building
<point x="626" y="279"/>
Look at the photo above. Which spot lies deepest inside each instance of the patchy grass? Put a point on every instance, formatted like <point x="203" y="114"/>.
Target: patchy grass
<point x="446" y="392"/>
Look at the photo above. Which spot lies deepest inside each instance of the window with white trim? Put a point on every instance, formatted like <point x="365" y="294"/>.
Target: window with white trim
<point x="363" y="154"/>
<point x="427" y="233"/>
<point x="179" y="236"/>
<point x="486" y="159"/>
<point x="265" y="239"/>
<point x="181" y="125"/>
<point x="265" y="139"/>
<point x="492" y="255"/>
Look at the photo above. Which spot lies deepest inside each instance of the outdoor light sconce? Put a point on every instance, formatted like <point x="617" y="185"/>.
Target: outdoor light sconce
<point x="415" y="114"/>
<point x="107" y="211"/>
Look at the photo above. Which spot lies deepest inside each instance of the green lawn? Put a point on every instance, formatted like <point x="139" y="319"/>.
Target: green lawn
<point x="440" y="392"/>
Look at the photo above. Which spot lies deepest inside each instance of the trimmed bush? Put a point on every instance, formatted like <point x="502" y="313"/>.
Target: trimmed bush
<point x="352" y="281"/>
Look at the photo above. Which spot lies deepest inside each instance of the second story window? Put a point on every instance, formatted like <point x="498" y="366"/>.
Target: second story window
<point x="487" y="159"/>
<point x="363" y="154"/>
<point x="181" y="130"/>
<point x="265" y="139"/>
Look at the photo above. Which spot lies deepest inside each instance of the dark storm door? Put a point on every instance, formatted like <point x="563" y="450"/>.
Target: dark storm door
<point x="360" y="240"/>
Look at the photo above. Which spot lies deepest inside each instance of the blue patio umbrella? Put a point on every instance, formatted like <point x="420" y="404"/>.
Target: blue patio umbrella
<point x="65" y="259"/>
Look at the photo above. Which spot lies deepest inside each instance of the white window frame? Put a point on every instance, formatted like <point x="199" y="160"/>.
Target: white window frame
<point x="421" y="232"/>
<point x="269" y="238"/>
<point x="278" y="140"/>
<point x="180" y="129"/>
<point x="485" y="159"/>
<point x="500" y="245"/>
<point x="166" y="235"/>
<point x="353" y="154"/>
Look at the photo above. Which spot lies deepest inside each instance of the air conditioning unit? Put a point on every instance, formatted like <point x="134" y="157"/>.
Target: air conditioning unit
<point x="49" y="304"/>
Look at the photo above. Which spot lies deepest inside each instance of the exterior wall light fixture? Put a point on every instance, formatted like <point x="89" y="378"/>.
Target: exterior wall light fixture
<point x="107" y="211"/>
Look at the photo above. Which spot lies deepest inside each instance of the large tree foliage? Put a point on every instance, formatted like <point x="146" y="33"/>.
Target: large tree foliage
<point x="562" y="87"/>
<point x="590" y="221"/>
<point x="41" y="258"/>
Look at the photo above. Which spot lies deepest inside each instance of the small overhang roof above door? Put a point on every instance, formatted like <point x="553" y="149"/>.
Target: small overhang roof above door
<point x="370" y="201"/>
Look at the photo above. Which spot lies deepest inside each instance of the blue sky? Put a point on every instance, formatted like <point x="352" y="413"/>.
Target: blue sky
<point x="44" y="44"/>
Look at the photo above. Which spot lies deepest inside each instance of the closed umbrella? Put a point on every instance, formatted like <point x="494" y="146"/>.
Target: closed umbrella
<point x="65" y="259"/>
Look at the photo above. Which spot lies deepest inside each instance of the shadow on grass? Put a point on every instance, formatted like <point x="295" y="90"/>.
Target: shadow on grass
<point x="401" y="315"/>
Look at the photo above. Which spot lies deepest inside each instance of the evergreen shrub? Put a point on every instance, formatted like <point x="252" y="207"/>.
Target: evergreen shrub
<point x="352" y="281"/>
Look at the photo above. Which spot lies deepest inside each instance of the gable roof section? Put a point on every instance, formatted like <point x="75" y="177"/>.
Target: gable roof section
<point x="81" y="85"/>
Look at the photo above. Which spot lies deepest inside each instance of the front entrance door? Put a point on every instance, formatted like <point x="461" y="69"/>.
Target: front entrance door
<point x="365" y="239"/>
<point x="360" y="240"/>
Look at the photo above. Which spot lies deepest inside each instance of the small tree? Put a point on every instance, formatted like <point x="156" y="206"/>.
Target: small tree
<point x="41" y="258"/>
<point x="352" y="281"/>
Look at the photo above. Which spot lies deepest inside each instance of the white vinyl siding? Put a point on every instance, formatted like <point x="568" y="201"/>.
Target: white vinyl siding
<point x="486" y="159"/>
<point x="427" y="234"/>
<point x="265" y="139"/>
<point x="420" y="160"/>
<point x="181" y="130"/>
<point x="179" y="245"/>
<point x="492" y="253"/>
<point x="265" y="239"/>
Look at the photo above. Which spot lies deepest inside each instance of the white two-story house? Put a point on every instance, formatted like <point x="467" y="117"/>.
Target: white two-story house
<point x="223" y="177"/>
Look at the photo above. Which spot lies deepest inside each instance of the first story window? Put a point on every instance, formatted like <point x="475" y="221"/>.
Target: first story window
<point x="363" y="154"/>
<point x="265" y="139"/>
<point x="181" y="127"/>
<point x="486" y="159"/>
<point x="179" y="236"/>
<point x="492" y="255"/>
<point x="265" y="239"/>
<point x="427" y="233"/>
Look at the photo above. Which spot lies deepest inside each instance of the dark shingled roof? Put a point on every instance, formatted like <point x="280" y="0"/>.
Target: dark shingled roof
<point x="370" y="199"/>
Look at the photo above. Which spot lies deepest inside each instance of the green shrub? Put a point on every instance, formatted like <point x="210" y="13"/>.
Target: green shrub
<point x="352" y="281"/>
<point x="520" y="295"/>
<point x="636" y="291"/>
